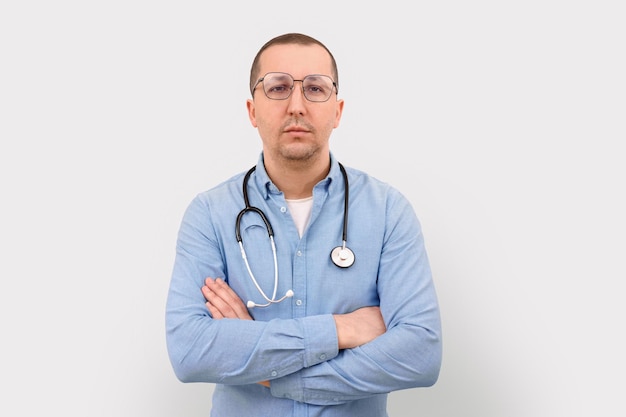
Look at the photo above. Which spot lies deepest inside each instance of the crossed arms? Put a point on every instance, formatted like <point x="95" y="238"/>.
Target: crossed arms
<point x="353" y="329"/>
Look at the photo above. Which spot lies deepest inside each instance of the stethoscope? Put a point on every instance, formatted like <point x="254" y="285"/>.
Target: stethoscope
<point x="341" y="256"/>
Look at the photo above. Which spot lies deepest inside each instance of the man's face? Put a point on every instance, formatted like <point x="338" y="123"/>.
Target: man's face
<point x="294" y="129"/>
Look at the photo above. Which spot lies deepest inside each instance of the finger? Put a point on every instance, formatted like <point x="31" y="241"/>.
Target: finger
<point x="228" y="296"/>
<point x="206" y="292"/>
<point x="227" y="293"/>
<point x="215" y="313"/>
<point x="212" y="300"/>
<point x="218" y="303"/>
<point x="213" y="293"/>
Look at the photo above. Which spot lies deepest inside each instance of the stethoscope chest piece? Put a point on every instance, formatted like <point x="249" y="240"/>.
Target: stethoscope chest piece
<point x="342" y="256"/>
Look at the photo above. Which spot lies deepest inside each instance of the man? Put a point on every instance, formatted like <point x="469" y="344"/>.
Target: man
<point x="344" y="310"/>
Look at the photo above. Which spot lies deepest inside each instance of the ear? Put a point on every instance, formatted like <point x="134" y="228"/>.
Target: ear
<point x="251" y="112"/>
<point x="339" y="112"/>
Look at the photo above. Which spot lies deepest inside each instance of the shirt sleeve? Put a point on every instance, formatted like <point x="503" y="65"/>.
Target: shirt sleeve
<point x="409" y="354"/>
<point x="231" y="351"/>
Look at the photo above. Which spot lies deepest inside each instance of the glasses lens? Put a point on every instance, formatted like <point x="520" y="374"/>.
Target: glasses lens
<point x="317" y="87"/>
<point x="277" y="85"/>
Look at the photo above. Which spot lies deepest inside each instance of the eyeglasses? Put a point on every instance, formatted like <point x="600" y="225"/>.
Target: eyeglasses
<point x="279" y="86"/>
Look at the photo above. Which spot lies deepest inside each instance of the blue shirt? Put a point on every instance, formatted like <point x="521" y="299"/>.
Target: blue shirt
<point x="294" y="343"/>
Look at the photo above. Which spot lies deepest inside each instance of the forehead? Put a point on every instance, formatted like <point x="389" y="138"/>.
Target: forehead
<point x="297" y="60"/>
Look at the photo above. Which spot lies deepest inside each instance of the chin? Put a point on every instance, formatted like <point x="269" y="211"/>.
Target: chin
<point x="299" y="153"/>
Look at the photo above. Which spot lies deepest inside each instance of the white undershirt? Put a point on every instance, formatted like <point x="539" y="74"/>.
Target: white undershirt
<point x="301" y="212"/>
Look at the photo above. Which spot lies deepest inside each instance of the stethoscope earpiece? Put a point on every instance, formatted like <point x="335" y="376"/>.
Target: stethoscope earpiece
<point x="252" y="304"/>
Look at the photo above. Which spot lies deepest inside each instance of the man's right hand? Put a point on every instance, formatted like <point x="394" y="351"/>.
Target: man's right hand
<point x="359" y="327"/>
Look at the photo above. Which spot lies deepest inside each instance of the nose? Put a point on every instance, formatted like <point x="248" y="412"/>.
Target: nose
<point x="297" y="99"/>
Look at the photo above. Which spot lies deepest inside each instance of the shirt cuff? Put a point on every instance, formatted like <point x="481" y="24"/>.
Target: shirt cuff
<point x="320" y="339"/>
<point x="320" y="335"/>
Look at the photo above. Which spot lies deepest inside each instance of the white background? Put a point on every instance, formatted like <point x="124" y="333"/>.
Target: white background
<point x="502" y="122"/>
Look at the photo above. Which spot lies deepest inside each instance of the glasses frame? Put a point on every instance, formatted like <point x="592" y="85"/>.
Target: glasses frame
<point x="293" y="84"/>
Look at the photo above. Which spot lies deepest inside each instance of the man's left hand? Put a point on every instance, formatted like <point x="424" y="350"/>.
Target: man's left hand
<point x="222" y="301"/>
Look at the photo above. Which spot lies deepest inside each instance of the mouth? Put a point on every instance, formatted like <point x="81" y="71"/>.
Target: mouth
<point x="296" y="129"/>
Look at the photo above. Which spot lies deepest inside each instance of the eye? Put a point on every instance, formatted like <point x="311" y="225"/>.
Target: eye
<point x="315" y="88"/>
<point x="278" y="88"/>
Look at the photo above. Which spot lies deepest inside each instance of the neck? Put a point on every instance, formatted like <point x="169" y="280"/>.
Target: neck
<point x="296" y="180"/>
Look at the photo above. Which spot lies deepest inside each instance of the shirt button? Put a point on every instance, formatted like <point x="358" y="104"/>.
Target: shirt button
<point x="283" y="209"/>
<point x="299" y="253"/>
<point x="323" y="356"/>
<point x="298" y="302"/>
<point x="274" y="373"/>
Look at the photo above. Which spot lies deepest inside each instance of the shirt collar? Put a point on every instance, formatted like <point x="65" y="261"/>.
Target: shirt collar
<point x="265" y="185"/>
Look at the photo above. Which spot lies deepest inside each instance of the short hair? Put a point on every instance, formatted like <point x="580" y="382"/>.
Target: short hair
<point x="286" y="39"/>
